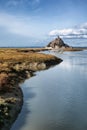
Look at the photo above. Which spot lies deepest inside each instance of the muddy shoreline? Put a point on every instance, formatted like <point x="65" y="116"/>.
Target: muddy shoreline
<point x="16" y="66"/>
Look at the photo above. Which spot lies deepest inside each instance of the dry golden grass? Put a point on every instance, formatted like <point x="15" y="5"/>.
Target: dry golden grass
<point x="17" y="61"/>
<point x="16" y="55"/>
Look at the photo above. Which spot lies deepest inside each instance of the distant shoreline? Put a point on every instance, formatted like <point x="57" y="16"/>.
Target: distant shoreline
<point x="68" y="49"/>
<point x="35" y="47"/>
<point x="75" y="49"/>
<point x="38" y="49"/>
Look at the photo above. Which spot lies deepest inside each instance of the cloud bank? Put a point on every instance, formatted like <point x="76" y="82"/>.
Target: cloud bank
<point x="76" y="32"/>
<point x="16" y="25"/>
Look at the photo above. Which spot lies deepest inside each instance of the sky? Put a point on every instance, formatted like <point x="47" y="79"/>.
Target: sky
<point x="30" y="22"/>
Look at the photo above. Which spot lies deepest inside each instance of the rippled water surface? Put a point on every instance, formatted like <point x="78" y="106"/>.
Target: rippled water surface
<point x="56" y="99"/>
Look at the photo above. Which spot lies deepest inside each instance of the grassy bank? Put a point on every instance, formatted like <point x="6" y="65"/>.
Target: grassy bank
<point x="16" y="65"/>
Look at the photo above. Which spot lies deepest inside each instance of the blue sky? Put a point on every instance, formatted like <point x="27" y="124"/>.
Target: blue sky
<point x="30" y="22"/>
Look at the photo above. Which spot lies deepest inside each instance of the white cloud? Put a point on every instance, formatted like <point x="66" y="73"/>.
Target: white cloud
<point x="22" y="3"/>
<point x="84" y="26"/>
<point x="77" y="32"/>
<point x="16" y="25"/>
<point x="12" y="3"/>
<point x="33" y="3"/>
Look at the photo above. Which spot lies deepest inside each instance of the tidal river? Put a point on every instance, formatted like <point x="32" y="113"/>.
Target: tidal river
<point x="56" y="99"/>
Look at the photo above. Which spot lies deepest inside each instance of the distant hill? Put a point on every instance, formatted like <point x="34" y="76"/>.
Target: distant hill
<point x="57" y="43"/>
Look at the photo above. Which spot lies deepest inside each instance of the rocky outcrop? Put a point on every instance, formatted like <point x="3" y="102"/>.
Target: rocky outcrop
<point x="57" y="43"/>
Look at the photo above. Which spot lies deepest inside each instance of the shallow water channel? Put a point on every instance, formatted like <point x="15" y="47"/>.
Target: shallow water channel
<point x="56" y="99"/>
